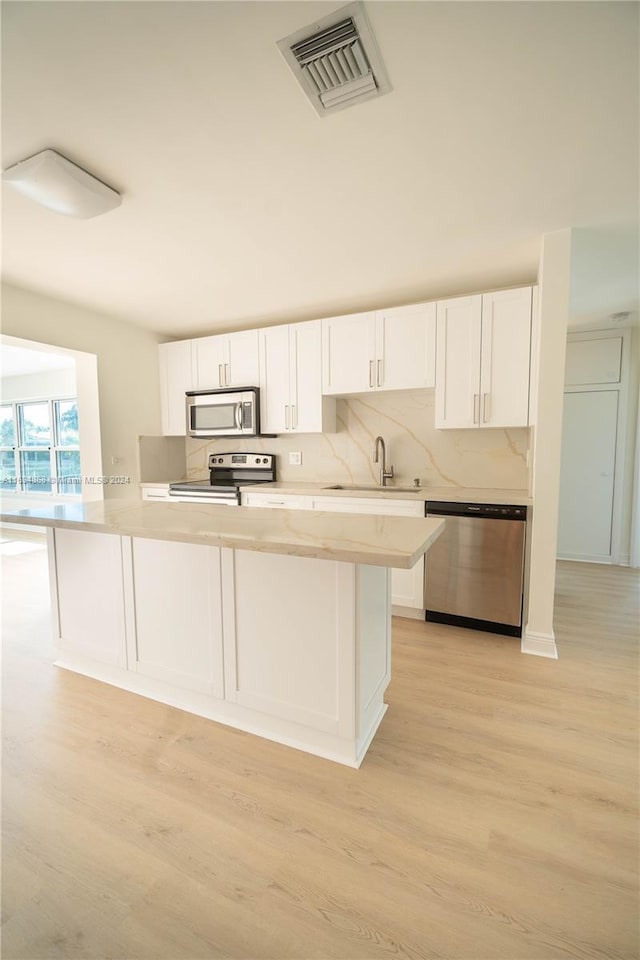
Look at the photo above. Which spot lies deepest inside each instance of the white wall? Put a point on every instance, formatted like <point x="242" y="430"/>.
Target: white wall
<point x="127" y="371"/>
<point x="554" y="286"/>
<point x="36" y="386"/>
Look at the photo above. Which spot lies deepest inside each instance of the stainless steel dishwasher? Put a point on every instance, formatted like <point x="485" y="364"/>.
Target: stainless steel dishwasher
<point x="474" y="571"/>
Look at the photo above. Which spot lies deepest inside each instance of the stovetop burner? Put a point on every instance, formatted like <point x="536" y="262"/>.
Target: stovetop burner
<point x="227" y="473"/>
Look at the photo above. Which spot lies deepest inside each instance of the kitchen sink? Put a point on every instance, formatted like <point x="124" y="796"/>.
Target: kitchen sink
<point x="372" y="486"/>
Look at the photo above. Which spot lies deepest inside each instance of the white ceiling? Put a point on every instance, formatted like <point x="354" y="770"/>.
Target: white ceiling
<point x="18" y="361"/>
<point x="242" y="207"/>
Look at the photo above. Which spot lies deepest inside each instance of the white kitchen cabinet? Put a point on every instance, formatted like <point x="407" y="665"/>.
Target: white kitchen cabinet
<point x="226" y="360"/>
<point x="407" y="586"/>
<point x="593" y="361"/>
<point x="348" y="348"/>
<point x="389" y="506"/>
<point x="406" y="347"/>
<point x="291" y="399"/>
<point x="285" y="501"/>
<point x="89" y="599"/>
<point x="155" y="491"/>
<point x="587" y="473"/>
<point x="483" y="357"/>
<point x="176" y="377"/>
<point x="177" y="629"/>
<point x="294" y="649"/>
<point x="390" y="349"/>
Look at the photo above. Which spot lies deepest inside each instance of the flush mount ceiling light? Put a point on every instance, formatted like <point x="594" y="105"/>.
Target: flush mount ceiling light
<point x="58" y="184"/>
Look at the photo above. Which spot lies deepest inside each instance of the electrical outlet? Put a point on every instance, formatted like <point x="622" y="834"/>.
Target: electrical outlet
<point x="295" y="458"/>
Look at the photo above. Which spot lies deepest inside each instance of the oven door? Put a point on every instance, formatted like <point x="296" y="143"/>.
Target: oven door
<point x="224" y="414"/>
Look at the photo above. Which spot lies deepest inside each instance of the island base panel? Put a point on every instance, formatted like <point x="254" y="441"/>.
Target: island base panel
<point x="300" y="647"/>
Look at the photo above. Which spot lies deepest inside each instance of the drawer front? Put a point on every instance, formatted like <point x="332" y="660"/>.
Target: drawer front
<point x="275" y="500"/>
<point x="155" y="493"/>
<point x="382" y="506"/>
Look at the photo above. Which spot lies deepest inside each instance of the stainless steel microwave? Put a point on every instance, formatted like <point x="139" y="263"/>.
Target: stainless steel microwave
<point x="223" y="413"/>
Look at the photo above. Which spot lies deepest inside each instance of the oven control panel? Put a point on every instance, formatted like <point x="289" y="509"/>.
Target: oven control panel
<point x="242" y="461"/>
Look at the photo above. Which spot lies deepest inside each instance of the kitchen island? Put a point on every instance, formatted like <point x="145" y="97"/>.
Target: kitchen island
<point x="275" y="622"/>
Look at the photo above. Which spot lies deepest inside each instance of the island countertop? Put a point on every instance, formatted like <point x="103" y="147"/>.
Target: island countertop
<point x="385" y="541"/>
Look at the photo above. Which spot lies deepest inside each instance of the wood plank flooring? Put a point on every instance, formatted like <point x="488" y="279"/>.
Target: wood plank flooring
<point x="495" y="815"/>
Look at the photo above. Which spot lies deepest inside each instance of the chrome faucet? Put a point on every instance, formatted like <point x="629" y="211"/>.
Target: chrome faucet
<point x="384" y="473"/>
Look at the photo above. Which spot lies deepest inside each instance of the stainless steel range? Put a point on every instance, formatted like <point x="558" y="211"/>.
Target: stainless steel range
<point x="227" y="473"/>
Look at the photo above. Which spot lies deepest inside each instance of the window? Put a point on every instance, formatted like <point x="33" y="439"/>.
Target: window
<point x="40" y="447"/>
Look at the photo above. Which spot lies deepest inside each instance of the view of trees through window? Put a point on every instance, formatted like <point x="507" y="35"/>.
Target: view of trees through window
<point x="40" y="447"/>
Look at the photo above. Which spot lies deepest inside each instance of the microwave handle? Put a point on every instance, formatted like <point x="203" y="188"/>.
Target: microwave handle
<point x="239" y="415"/>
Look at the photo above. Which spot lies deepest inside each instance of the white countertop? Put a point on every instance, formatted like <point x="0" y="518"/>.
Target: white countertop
<point x="519" y="498"/>
<point x="355" y="538"/>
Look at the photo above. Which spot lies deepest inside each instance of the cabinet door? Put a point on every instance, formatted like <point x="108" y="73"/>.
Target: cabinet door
<point x="406" y="347"/>
<point x="178" y="614"/>
<point x="176" y="377"/>
<point x="275" y="403"/>
<point x="243" y="367"/>
<point x="306" y="376"/>
<point x="210" y="362"/>
<point x="597" y="360"/>
<point x="587" y="471"/>
<point x="458" y="362"/>
<point x="407" y="586"/>
<point x="90" y="596"/>
<point x="348" y="345"/>
<point x="505" y="355"/>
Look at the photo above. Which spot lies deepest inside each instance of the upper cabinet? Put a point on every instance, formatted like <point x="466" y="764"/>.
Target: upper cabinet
<point x="176" y="377"/>
<point x="226" y="360"/>
<point x="291" y="398"/>
<point x="383" y="350"/>
<point x="348" y="353"/>
<point x="483" y="357"/>
<point x="480" y="369"/>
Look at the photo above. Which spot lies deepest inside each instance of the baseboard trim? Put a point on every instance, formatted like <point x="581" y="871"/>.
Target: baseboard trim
<point x="539" y="644"/>
<point x="409" y="613"/>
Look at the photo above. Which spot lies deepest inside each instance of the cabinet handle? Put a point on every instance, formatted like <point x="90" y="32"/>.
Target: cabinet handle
<point x="227" y="375"/>
<point x="294" y="416"/>
<point x="380" y="373"/>
<point x="286" y="416"/>
<point x="371" y="373"/>
<point x="485" y="407"/>
<point x="220" y="376"/>
<point x="476" y="404"/>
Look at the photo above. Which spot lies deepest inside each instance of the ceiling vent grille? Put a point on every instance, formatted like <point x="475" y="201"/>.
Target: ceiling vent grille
<point x="336" y="60"/>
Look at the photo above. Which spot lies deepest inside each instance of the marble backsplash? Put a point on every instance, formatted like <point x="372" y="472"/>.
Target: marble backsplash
<point x="494" y="458"/>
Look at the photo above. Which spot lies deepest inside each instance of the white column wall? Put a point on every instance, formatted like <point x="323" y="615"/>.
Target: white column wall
<point x="554" y="284"/>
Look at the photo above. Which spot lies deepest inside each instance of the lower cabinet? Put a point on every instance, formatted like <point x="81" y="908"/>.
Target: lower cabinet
<point x="293" y="677"/>
<point x="285" y="501"/>
<point x="176" y="592"/>
<point x="293" y="649"/>
<point x="407" y="586"/>
<point x="155" y="491"/>
<point x="89" y="602"/>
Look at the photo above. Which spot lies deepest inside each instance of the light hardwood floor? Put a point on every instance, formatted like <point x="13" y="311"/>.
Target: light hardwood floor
<point x="495" y="815"/>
